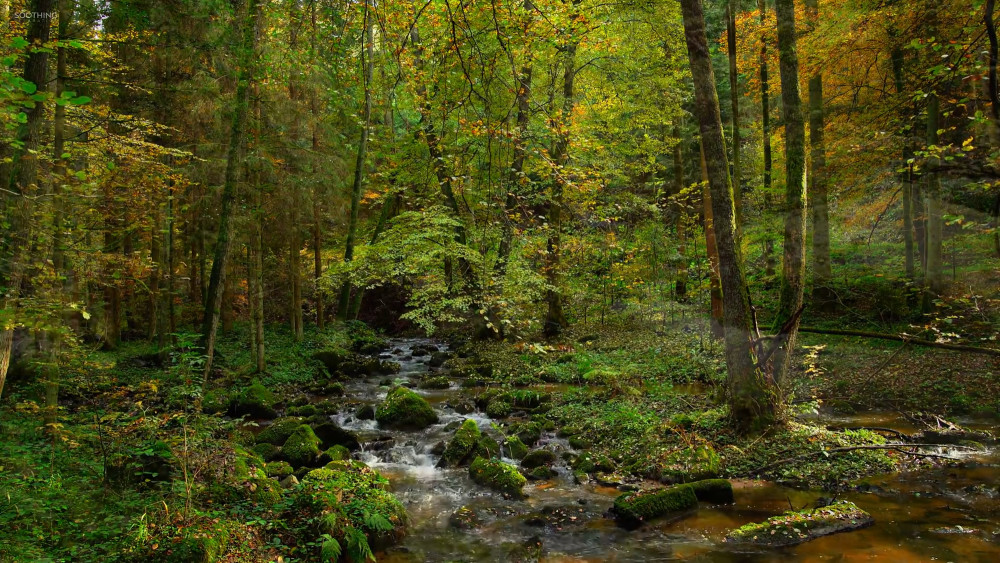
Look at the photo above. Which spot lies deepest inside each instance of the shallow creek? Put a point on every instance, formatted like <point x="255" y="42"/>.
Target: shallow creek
<point x="945" y="514"/>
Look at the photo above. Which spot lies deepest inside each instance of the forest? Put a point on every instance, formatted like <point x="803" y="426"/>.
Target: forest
<point x="499" y="280"/>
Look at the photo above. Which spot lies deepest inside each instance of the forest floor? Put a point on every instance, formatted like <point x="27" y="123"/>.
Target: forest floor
<point x="132" y="470"/>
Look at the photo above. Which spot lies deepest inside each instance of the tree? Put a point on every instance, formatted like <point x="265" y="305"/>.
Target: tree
<point x="793" y="257"/>
<point x="248" y="12"/>
<point x="752" y="396"/>
<point x="818" y="197"/>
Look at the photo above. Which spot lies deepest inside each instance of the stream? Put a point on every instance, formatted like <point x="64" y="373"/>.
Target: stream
<point x="944" y="514"/>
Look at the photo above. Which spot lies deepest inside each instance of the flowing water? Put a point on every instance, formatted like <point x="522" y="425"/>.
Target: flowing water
<point x="943" y="514"/>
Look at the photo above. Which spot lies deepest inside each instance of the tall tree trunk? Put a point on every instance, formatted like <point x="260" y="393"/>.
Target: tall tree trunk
<point x="906" y="176"/>
<point x="712" y="250"/>
<point x="317" y="194"/>
<point x="367" y="66"/>
<point x="680" y="218"/>
<point x="734" y="100"/>
<point x="516" y="173"/>
<point x="295" y="269"/>
<point x="765" y="103"/>
<point x="555" y="318"/>
<point x="21" y="182"/>
<point x="994" y="90"/>
<point x="752" y="399"/>
<point x="933" y="279"/>
<point x="247" y="13"/>
<point x="793" y="258"/>
<point x="818" y="197"/>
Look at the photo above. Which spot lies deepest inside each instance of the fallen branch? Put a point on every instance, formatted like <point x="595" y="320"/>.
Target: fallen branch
<point x="896" y="447"/>
<point x="903" y="338"/>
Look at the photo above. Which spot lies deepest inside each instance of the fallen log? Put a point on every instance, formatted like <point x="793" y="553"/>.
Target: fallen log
<point x="903" y="338"/>
<point x="897" y="447"/>
<point x="795" y="527"/>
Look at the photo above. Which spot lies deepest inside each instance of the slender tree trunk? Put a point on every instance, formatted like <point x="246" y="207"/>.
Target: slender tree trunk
<point x="516" y="174"/>
<point x="765" y="103"/>
<point x="21" y="184"/>
<point x="680" y="218"/>
<point x="933" y="279"/>
<point x="752" y="399"/>
<point x="734" y="99"/>
<point x="367" y="66"/>
<point x="793" y="259"/>
<point x="712" y="250"/>
<point x="317" y="194"/>
<point x="247" y="11"/>
<point x="818" y="196"/>
<point x="994" y="94"/>
<point x="906" y="176"/>
<point x="295" y="269"/>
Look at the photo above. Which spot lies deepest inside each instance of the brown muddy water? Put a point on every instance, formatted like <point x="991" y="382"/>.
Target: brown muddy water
<point x="939" y="514"/>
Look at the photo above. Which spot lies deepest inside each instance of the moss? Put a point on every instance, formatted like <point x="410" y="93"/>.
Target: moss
<point x="439" y="382"/>
<point x="498" y="476"/>
<point x="302" y="446"/>
<point x="538" y="458"/>
<point x="267" y="452"/>
<point x="715" y="491"/>
<point x="405" y="410"/>
<point x="526" y="398"/>
<point x="247" y="464"/>
<point x="278" y="469"/>
<point x="692" y="463"/>
<point x="487" y="447"/>
<point x="542" y="473"/>
<point x="462" y="445"/>
<point x="215" y="401"/>
<point x="529" y="433"/>
<point x="256" y="401"/>
<point x="334" y="388"/>
<point x="278" y="431"/>
<point x="336" y="453"/>
<point x="498" y="408"/>
<point x="304" y="410"/>
<point x="331" y="435"/>
<point x="632" y="509"/>
<point x="516" y="448"/>
<point x="265" y="491"/>
<point x="794" y="527"/>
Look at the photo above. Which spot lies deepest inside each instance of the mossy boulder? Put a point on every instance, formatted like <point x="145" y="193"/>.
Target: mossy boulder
<point x="538" y="458"/>
<point x="365" y="412"/>
<point x="498" y="476"/>
<point x="215" y="401"/>
<point x="690" y="464"/>
<point x="302" y="447"/>
<point x="336" y="453"/>
<point x="266" y="451"/>
<point x="331" y="435"/>
<point x="405" y="410"/>
<point x="278" y="469"/>
<point x="265" y="492"/>
<point x="462" y="445"/>
<point x="278" y="431"/>
<point x="795" y="527"/>
<point x="529" y="433"/>
<point x="632" y="509"/>
<point x="714" y="491"/>
<point x="498" y="408"/>
<point x="439" y="382"/>
<point x="255" y="401"/>
<point x="516" y="448"/>
<point x="304" y="410"/>
<point x="487" y="447"/>
<point x="331" y="359"/>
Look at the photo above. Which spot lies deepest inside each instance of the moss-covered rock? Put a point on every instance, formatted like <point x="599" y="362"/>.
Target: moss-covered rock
<point x="438" y="382"/>
<point x="365" y="412"/>
<point x="265" y="492"/>
<point x="215" y="401"/>
<point x="331" y="435"/>
<point x="516" y="448"/>
<point x="266" y="451"/>
<point x="498" y="408"/>
<point x="304" y="410"/>
<point x="690" y="464"/>
<point x="542" y="473"/>
<point x="278" y="431"/>
<point x="336" y="453"/>
<point x="278" y="469"/>
<point x="405" y="410"/>
<point x="632" y="509"/>
<point x="462" y="445"/>
<point x="715" y="491"/>
<point x="538" y="458"/>
<point x="487" y="447"/>
<point x="256" y="401"/>
<point x="529" y="433"/>
<point x="795" y="527"/>
<point x="498" y="476"/>
<point x="302" y="447"/>
<point x="331" y="359"/>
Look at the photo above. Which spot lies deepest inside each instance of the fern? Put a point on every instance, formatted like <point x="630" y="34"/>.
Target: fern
<point x="357" y="545"/>
<point x="331" y="549"/>
<point x="376" y="522"/>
